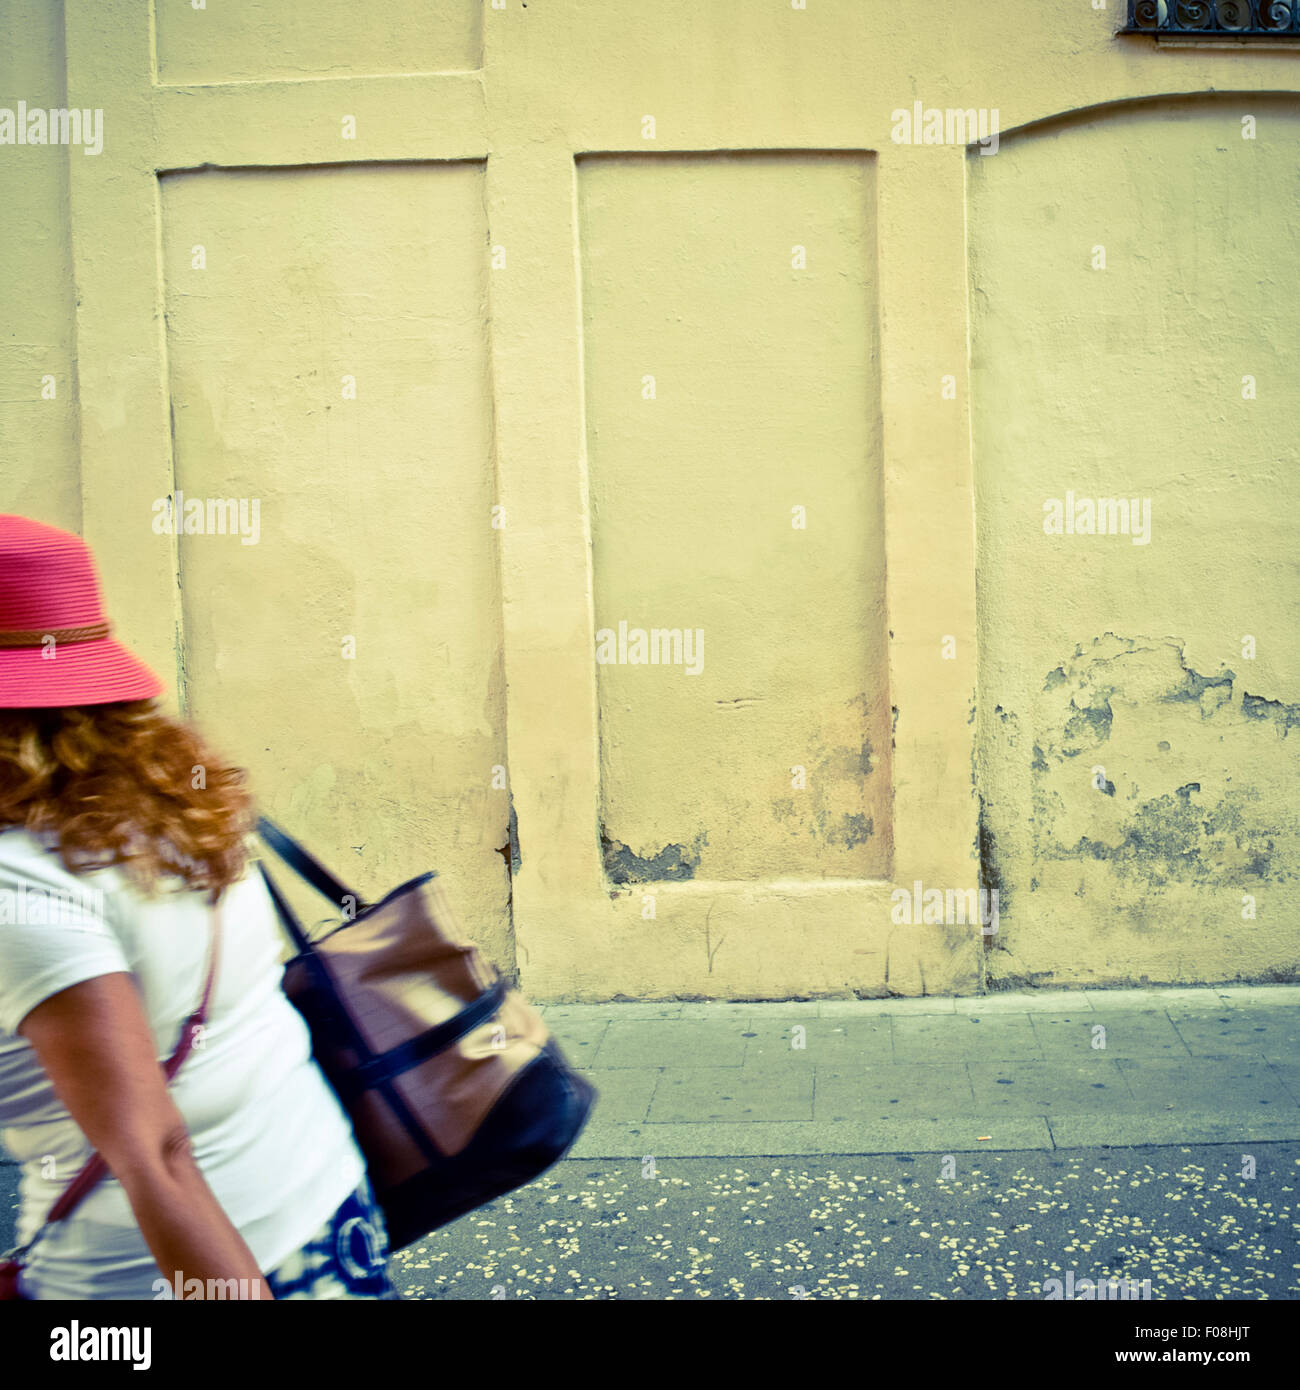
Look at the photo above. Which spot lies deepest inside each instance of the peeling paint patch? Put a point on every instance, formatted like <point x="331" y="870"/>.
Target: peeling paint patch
<point x="673" y="862"/>
<point x="1144" y="811"/>
<point x="1172" y="839"/>
<point x="1054" y="679"/>
<point x="1087" y="729"/>
<point x="855" y="830"/>
<point x="510" y="850"/>
<point x="1285" y="716"/>
<point x="516" y="858"/>
<point x="1196" y="833"/>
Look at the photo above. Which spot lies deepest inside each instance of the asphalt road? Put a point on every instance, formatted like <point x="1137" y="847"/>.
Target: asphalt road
<point x="880" y="1227"/>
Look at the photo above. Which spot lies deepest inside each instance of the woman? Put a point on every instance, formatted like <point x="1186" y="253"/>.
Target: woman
<point x="121" y="841"/>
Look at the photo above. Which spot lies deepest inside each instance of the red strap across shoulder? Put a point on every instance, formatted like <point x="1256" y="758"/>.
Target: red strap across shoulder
<point x="95" y="1169"/>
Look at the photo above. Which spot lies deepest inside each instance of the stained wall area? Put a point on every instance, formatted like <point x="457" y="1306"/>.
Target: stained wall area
<point x="1134" y="331"/>
<point x="648" y="417"/>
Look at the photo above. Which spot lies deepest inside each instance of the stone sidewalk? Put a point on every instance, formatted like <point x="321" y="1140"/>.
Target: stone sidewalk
<point x="1032" y="1070"/>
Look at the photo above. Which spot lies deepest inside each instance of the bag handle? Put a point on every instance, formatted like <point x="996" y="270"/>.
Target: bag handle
<point x="305" y="865"/>
<point x="94" y="1170"/>
<point x="288" y="918"/>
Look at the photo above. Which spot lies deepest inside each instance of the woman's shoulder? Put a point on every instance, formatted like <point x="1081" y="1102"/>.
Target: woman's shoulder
<point x="30" y="863"/>
<point x="24" y="850"/>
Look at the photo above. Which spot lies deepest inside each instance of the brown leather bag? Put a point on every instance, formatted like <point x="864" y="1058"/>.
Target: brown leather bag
<point x="456" y="1091"/>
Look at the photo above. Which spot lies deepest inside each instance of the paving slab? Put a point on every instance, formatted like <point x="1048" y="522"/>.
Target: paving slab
<point x="1288" y="1073"/>
<point x="1207" y="1085"/>
<point x="630" y="1010"/>
<point x="1262" y="995"/>
<point x="820" y="1042"/>
<point x="888" y="1093"/>
<point x="999" y="1037"/>
<point x="623" y="1094"/>
<point x="1271" y="1031"/>
<point x="1139" y="999"/>
<point x="676" y="1042"/>
<point x="790" y="1008"/>
<point x="946" y="1134"/>
<point x="1193" y="997"/>
<point x="859" y="1008"/>
<point x="1049" y="1088"/>
<point x="708" y="1095"/>
<point x="1020" y="1002"/>
<point x="1093" y="1036"/>
<point x="1131" y="1131"/>
<point x="579" y="1038"/>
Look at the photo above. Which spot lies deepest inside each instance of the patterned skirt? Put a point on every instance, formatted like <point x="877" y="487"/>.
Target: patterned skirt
<point x="346" y="1258"/>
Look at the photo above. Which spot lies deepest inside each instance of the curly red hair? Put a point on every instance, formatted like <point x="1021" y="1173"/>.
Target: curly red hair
<point x="116" y="784"/>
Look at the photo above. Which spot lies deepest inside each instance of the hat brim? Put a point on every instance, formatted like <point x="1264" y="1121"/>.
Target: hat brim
<point x="100" y="672"/>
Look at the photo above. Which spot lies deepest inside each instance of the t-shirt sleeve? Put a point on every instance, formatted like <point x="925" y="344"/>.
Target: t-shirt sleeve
<point x="53" y="934"/>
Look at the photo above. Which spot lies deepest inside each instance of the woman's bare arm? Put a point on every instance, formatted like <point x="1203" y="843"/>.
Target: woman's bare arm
<point x="93" y="1041"/>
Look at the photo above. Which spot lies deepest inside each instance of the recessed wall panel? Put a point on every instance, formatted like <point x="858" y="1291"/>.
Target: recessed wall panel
<point x="734" y="451"/>
<point x="327" y="356"/>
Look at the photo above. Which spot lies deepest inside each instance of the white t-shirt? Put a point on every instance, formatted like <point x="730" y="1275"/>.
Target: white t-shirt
<point x="268" y="1133"/>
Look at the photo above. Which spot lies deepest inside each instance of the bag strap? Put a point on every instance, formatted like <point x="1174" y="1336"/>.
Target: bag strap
<point x="305" y="865"/>
<point x="288" y="918"/>
<point x="94" y="1170"/>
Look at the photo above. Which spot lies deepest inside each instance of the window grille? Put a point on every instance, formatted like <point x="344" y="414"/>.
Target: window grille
<point x="1215" y="19"/>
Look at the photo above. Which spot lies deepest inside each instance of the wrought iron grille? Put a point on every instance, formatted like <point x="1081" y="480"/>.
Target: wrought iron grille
<point x="1238" y="19"/>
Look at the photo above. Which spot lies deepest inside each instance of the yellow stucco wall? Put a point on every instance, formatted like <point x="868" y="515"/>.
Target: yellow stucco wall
<point x="1135" y="321"/>
<point x="522" y="322"/>
<point x="38" y="404"/>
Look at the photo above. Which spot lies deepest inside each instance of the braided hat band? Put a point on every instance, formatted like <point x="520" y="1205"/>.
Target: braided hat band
<point x="58" y="634"/>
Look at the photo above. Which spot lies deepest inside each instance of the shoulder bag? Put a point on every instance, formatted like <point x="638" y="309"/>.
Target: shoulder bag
<point x="456" y="1092"/>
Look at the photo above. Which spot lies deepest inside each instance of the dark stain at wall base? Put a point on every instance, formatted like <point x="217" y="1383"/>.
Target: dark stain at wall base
<point x="671" y="862"/>
<point x="1070" y="779"/>
<point x="836" y="774"/>
<point x="1034" y="979"/>
<point x="990" y="874"/>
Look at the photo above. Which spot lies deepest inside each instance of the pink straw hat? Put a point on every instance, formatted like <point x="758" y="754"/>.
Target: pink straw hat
<point x="54" y="644"/>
